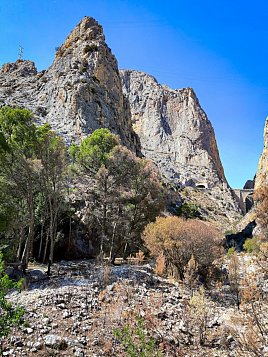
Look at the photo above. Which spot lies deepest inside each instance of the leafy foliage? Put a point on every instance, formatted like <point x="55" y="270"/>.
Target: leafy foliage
<point x="95" y="149"/>
<point x="188" y="210"/>
<point x="7" y="209"/>
<point x="32" y="165"/>
<point x="135" y="340"/>
<point x="230" y="252"/>
<point x="252" y="245"/>
<point x="124" y="192"/>
<point x="9" y="315"/>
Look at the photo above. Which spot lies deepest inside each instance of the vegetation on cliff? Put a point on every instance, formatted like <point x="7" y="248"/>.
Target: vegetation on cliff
<point x="120" y="193"/>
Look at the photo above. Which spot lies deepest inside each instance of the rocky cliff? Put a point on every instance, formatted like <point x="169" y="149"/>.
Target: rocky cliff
<point x="174" y="131"/>
<point x="262" y="171"/>
<point x="79" y="93"/>
<point x="177" y="136"/>
<point x="83" y="90"/>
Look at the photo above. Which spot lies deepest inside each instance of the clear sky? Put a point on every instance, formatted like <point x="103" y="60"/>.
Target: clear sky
<point x="218" y="47"/>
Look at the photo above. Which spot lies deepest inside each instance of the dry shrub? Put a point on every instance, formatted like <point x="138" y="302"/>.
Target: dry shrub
<point x="160" y="265"/>
<point x="115" y="309"/>
<point x="198" y="313"/>
<point x="252" y="325"/>
<point x="105" y="274"/>
<point x="190" y="276"/>
<point x="234" y="277"/>
<point x="179" y="239"/>
<point x="140" y="256"/>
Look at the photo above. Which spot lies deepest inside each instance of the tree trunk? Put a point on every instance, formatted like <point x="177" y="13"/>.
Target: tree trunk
<point x="28" y="248"/>
<point x="51" y="231"/>
<point x="125" y="251"/>
<point x="45" y="250"/>
<point x="19" y="250"/>
<point x="41" y="241"/>
<point x="70" y="233"/>
<point x="104" y="217"/>
<point x="112" y="254"/>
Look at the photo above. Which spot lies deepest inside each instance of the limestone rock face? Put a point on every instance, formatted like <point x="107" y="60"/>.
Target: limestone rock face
<point x="174" y="131"/>
<point x="262" y="171"/>
<point x="79" y="93"/>
<point x="19" y="69"/>
<point x="177" y="136"/>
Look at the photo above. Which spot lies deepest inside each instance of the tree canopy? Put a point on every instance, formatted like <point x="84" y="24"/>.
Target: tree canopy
<point x="32" y="164"/>
<point x="125" y="192"/>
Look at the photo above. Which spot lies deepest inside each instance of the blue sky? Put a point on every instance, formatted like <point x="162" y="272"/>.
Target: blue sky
<point x="217" y="47"/>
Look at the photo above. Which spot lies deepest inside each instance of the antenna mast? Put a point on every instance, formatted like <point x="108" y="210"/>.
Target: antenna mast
<point x="20" y="53"/>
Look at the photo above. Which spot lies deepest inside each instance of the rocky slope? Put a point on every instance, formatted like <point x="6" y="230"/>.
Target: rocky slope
<point x="76" y="310"/>
<point x="262" y="171"/>
<point x="79" y="93"/>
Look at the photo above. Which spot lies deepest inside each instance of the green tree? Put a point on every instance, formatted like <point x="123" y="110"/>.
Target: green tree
<point x="95" y="149"/>
<point x="124" y="192"/>
<point x="12" y="223"/>
<point x="6" y="206"/>
<point x="33" y="162"/>
<point x="138" y="197"/>
<point x="51" y="151"/>
<point x="18" y="166"/>
<point x="188" y="210"/>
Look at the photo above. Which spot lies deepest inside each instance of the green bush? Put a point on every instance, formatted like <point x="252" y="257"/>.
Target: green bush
<point x="251" y="245"/>
<point x="9" y="315"/>
<point x="188" y="210"/>
<point x="230" y="252"/>
<point x="135" y="340"/>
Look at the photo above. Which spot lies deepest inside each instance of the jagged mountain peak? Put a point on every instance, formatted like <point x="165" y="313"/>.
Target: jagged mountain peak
<point x="87" y="33"/>
<point x="80" y="92"/>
